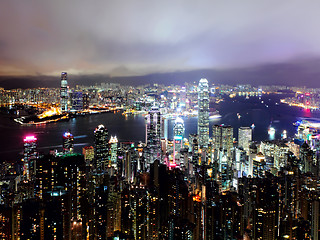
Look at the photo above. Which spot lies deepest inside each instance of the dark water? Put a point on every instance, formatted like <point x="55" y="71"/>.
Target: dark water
<point x="132" y="128"/>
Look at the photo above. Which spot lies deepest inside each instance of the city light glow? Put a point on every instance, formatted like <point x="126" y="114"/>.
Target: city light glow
<point x="30" y="138"/>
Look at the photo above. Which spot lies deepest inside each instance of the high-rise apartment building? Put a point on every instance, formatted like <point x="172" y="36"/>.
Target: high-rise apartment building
<point x="64" y="92"/>
<point x="222" y="137"/>
<point x="245" y="137"/>
<point x="227" y="138"/>
<point x="216" y="136"/>
<point x="88" y="153"/>
<point x="101" y="147"/>
<point x="203" y="112"/>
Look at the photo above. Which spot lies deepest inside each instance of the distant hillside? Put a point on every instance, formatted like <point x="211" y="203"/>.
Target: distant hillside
<point x="303" y="73"/>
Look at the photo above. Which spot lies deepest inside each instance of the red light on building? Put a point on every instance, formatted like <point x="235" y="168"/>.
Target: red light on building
<point x="172" y="165"/>
<point x="30" y="139"/>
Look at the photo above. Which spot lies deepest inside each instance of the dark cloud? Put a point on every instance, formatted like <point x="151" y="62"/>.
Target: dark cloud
<point x="124" y="38"/>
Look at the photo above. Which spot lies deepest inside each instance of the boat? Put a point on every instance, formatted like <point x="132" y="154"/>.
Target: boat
<point x="214" y="115"/>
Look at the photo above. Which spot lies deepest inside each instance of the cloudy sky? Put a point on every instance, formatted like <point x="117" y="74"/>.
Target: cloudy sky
<point x="124" y="38"/>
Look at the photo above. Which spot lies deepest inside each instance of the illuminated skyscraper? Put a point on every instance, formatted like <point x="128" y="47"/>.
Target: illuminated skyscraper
<point x="245" y="137"/>
<point x="216" y="136"/>
<point x="30" y="155"/>
<point x="88" y="153"/>
<point x="101" y="143"/>
<point x="67" y="142"/>
<point x="203" y="112"/>
<point x="178" y="131"/>
<point x="113" y="151"/>
<point x="64" y="92"/>
<point x="153" y="132"/>
<point x="222" y="137"/>
<point x="227" y="138"/>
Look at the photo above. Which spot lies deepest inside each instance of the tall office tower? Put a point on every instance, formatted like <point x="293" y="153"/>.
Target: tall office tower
<point x="113" y="151"/>
<point x="101" y="148"/>
<point x="178" y="132"/>
<point x="64" y="92"/>
<point x="68" y="142"/>
<point x="71" y="178"/>
<point x="203" y="112"/>
<point x="30" y="156"/>
<point x="153" y="132"/>
<point x="245" y="137"/>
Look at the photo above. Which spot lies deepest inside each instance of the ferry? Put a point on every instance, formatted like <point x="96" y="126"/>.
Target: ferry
<point x="214" y="115"/>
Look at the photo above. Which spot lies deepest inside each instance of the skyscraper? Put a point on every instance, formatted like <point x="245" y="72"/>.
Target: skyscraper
<point x="178" y="131"/>
<point x="64" y="92"/>
<point x="113" y="151"/>
<point x="216" y="136"/>
<point x="227" y="138"/>
<point x="245" y="137"/>
<point x="88" y="153"/>
<point x="101" y="148"/>
<point x="67" y="142"/>
<point x="29" y="156"/>
<point x="203" y="112"/>
<point x="153" y="133"/>
<point x="222" y="137"/>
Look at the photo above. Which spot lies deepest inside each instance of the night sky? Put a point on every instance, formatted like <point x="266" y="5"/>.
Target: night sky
<point x="264" y="41"/>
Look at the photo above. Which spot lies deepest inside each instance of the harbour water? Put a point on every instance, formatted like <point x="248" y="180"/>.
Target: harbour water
<point x="237" y="112"/>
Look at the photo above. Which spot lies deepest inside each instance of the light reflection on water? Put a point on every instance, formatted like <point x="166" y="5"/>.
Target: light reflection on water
<point x="132" y="128"/>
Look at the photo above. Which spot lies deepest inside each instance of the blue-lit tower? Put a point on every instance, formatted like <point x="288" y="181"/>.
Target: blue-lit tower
<point x="203" y="112"/>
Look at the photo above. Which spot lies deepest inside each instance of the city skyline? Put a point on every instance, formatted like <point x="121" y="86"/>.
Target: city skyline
<point x="235" y="42"/>
<point x="123" y="162"/>
<point x="159" y="120"/>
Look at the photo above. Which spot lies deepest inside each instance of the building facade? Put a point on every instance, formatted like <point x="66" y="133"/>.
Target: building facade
<point x="203" y="112"/>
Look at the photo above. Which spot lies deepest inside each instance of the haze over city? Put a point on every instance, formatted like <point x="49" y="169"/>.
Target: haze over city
<point x="263" y="42"/>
